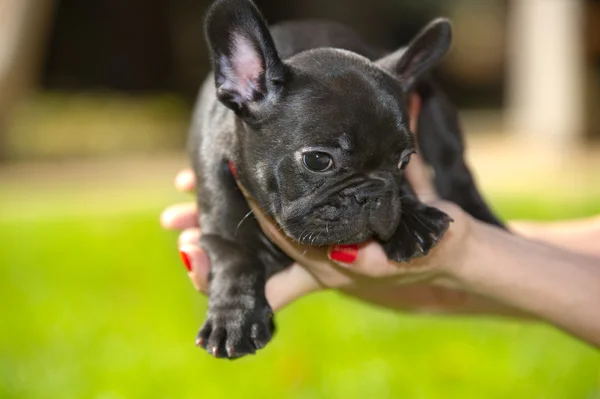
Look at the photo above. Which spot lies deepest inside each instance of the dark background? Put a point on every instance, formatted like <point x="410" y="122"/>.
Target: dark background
<point x="120" y="76"/>
<point x="145" y="46"/>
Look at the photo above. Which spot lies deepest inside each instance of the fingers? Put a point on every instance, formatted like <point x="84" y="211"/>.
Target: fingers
<point x="185" y="181"/>
<point x="179" y="216"/>
<point x="196" y="263"/>
<point x="282" y="288"/>
<point x="414" y="108"/>
<point x="290" y="284"/>
<point x="185" y="217"/>
<point x="417" y="172"/>
<point x="189" y="236"/>
<point x="370" y="260"/>
<point x="194" y="259"/>
<point x="419" y="176"/>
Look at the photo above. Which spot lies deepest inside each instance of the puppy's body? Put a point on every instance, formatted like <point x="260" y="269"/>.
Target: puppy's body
<point x="315" y="122"/>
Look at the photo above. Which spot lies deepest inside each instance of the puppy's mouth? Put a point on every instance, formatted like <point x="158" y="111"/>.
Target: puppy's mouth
<point x="328" y="235"/>
<point x="351" y="226"/>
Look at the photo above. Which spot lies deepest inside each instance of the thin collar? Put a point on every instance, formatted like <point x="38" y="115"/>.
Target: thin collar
<point x="233" y="169"/>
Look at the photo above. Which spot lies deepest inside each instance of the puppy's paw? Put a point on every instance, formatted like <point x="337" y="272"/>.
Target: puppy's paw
<point x="420" y="229"/>
<point x="235" y="331"/>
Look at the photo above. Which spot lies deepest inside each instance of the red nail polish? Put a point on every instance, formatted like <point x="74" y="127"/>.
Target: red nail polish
<point x="344" y="253"/>
<point x="185" y="258"/>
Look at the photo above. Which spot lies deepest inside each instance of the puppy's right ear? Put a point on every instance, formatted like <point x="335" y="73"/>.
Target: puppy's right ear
<point x="247" y="67"/>
<point x="424" y="51"/>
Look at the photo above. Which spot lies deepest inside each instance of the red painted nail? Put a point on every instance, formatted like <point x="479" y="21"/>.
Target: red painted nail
<point x="185" y="258"/>
<point x="344" y="253"/>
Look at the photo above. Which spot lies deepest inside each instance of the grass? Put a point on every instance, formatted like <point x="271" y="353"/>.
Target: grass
<point x="97" y="305"/>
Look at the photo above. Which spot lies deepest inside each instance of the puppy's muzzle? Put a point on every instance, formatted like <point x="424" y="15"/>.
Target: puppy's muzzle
<point x="378" y="203"/>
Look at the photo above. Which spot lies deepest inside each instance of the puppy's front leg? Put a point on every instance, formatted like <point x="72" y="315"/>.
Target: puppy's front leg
<point x="239" y="319"/>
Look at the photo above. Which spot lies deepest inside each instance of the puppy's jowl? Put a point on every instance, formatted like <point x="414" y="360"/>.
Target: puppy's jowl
<point x="315" y="122"/>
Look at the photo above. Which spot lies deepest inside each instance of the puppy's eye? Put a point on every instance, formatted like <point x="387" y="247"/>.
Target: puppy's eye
<point x="317" y="161"/>
<point x="405" y="158"/>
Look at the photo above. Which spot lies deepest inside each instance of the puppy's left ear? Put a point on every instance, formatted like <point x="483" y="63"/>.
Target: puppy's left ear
<point x="247" y="68"/>
<point x="423" y="52"/>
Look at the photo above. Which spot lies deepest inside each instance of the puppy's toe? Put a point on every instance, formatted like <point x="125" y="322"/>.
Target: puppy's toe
<point x="261" y="333"/>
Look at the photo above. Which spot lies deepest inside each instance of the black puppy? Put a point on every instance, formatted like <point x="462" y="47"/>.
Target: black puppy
<point x="315" y="122"/>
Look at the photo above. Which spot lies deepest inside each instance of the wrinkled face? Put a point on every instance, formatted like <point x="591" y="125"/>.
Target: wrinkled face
<point x="327" y="160"/>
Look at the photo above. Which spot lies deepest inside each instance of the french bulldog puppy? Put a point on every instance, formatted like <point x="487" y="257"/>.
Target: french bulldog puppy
<point x="314" y="124"/>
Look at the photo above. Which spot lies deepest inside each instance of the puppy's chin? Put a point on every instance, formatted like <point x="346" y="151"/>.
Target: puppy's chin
<point x="321" y="238"/>
<point x="321" y="233"/>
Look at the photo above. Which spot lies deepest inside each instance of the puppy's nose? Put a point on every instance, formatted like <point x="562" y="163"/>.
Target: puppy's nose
<point x="366" y="193"/>
<point x="365" y="197"/>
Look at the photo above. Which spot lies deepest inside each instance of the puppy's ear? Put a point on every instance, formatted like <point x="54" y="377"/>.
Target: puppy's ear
<point x="245" y="61"/>
<point x="423" y="52"/>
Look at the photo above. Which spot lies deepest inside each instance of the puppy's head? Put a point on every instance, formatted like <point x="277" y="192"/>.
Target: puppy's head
<point x="325" y="134"/>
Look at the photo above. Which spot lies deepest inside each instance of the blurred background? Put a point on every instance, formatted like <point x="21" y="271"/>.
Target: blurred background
<point x="95" y="98"/>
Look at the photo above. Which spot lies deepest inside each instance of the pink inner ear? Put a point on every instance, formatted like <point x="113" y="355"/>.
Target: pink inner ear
<point x="245" y="67"/>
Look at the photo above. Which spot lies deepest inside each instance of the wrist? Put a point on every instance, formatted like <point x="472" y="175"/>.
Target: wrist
<point x="479" y="254"/>
<point x="459" y="250"/>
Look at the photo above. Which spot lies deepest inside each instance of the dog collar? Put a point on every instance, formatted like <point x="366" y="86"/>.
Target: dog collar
<point x="233" y="170"/>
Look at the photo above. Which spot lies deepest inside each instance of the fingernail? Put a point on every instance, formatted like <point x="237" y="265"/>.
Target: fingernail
<point x="166" y="218"/>
<point x="185" y="258"/>
<point x="344" y="253"/>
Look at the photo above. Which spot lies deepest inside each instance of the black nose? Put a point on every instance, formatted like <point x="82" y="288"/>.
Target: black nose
<point x="365" y="197"/>
<point x="366" y="193"/>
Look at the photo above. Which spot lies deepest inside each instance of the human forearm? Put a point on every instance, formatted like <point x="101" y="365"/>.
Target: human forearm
<point x="553" y="284"/>
<point x="579" y="235"/>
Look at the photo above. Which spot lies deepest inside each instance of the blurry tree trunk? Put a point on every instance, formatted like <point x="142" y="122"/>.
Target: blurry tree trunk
<point x="545" y="77"/>
<point x="23" y="30"/>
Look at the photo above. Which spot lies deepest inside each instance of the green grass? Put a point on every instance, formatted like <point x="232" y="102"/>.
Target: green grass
<point x="97" y="305"/>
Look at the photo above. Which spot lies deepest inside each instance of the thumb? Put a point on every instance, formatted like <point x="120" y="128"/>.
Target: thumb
<point x="370" y="260"/>
<point x="418" y="172"/>
<point x="290" y="284"/>
<point x="420" y="177"/>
